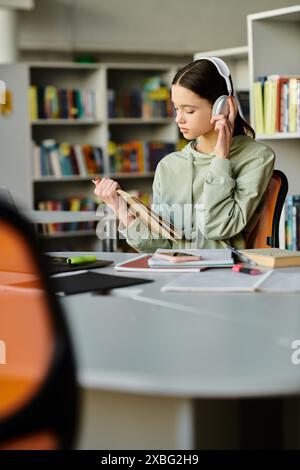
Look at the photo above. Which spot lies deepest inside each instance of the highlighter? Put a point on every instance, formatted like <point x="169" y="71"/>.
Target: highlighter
<point x="239" y="268"/>
<point x="81" y="259"/>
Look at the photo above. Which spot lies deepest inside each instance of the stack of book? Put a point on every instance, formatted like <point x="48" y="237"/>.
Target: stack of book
<point x="292" y="222"/>
<point x="137" y="156"/>
<point x="75" y="203"/>
<point x="273" y="257"/>
<point x="50" y="102"/>
<point x="63" y="159"/>
<point x="276" y="101"/>
<point x="151" y="100"/>
<point x="152" y="263"/>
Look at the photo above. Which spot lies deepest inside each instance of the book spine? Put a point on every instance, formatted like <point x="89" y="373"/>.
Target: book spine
<point x="293" y="105"/>
<point x="289" y="223"/>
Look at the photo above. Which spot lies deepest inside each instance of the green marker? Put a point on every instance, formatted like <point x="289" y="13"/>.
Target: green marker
<point x="81" y="259"/>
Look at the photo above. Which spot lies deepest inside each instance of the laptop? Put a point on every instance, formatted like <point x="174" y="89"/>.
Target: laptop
<point x="6" y="197"/>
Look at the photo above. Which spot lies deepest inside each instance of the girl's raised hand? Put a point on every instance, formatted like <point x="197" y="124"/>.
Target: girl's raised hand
<point x="224" y="125"/>
<point x="106" y="190"/>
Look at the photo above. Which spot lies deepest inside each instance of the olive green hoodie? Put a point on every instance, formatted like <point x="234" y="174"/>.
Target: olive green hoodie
<point x="208" y="197"/>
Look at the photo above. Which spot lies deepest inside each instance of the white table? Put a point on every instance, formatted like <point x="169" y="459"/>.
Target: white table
<point x="162" y="370"/>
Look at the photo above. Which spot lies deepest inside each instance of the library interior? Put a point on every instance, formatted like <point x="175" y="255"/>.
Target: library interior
<point x="139" y="139"/>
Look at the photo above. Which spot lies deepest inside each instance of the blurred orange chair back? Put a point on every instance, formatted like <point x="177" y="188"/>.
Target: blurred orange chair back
<point x="265" y="231"/>
<point x="38" y="392"/>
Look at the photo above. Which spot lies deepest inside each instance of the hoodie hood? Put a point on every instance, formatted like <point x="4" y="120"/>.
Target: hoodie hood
<point x="237" y="142"/>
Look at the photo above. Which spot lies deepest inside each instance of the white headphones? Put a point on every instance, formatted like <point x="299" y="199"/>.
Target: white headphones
<point x="220" y="105"/>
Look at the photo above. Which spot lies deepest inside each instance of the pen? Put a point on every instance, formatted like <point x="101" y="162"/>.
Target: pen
<point x="239" y="268"/>
<point x="240" y="255"/>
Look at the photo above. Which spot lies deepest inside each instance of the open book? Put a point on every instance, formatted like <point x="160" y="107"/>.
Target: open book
<point x="155" y="223"/>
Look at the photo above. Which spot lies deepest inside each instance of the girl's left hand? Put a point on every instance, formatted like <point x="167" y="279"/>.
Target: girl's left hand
<point x="225" y="126"/>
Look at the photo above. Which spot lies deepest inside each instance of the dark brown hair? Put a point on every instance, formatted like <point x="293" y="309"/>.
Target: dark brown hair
<point x="202" y="77"/>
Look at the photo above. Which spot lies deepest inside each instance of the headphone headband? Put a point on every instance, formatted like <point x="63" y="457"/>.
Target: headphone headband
<point x="223" y="70"/>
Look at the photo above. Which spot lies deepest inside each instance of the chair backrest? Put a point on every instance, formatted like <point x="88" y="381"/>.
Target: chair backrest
<point x="265" y="232"/>
<point x="38" y="392"/>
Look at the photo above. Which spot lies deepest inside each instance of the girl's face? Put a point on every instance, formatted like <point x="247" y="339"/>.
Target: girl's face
<point x="193" y="114"/>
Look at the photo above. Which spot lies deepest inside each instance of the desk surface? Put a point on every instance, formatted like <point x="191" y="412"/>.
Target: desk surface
<point x="141" y="340"/>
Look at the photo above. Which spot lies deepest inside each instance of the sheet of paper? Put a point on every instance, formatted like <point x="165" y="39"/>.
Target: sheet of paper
<point x="282" y="280"/>
<point x="216" y="280"/>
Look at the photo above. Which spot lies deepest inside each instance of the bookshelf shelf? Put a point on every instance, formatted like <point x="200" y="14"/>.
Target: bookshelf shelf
<point x="65" y="122"/>
<point x="140" y="121"/>
<point x="65" y="179"/>
<point x="76" y="178"/>
<point x="233" y="53"/>
<point x="63" y="65"/>
<point x="71" y="233"/>
<point x="237" y="60"/>
<point x="118" y="176"/>
<point x="278" y="136"/>
<point x="275" y="35"/>
<point x="58" y="216"/>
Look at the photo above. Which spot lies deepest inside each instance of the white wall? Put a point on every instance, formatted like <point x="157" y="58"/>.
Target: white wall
<point x="157" y="26"/>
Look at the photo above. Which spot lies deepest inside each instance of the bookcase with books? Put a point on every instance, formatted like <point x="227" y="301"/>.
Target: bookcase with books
<point x="140" y="125"/>
<point x="82" y="120"/>
<point x="66" y="110"/>
<point x="274" y="70"/>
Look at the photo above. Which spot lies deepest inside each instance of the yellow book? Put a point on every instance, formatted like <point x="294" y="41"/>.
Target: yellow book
<point x="258" y="107"/>
<point x="159" y="94"/>
<point x="273" y="257"/>
<point x="33" y="103"/>
<point x="270" y="98"/>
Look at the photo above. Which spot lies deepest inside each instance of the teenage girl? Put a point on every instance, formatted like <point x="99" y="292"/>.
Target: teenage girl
<point x="212" y="189"/>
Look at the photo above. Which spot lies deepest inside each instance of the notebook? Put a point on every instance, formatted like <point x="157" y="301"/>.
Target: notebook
<point x="58" y="264"/>
<point x="273" y="257"/>
<point x="209" y="258"/>
<point x="216" y="280"/>
<point x="140" y="263"/>
<point x="87" y="282"/>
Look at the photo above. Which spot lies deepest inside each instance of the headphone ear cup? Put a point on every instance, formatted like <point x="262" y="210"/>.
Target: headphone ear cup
<point x="220" y="106"/>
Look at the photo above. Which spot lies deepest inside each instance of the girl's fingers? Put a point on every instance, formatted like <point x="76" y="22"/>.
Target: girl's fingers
<point x="222" y="132"/>
<point x="220" y="124"/>
<point x="110" y="188"/>
<point x="217" y="117"/>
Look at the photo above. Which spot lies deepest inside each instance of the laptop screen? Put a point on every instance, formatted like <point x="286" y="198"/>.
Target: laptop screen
<point x="7" y="198"/>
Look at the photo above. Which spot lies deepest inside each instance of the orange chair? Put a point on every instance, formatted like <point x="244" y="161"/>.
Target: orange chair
<point x="38" y="391"/>
<point x="264" y="232"/>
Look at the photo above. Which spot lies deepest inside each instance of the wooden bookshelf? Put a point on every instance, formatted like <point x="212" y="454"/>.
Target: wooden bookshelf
<point x="137" y="121"/>
<point x="17" y="165"/>
<point x="273" y="38"/>
<point x="65" y="122"/>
